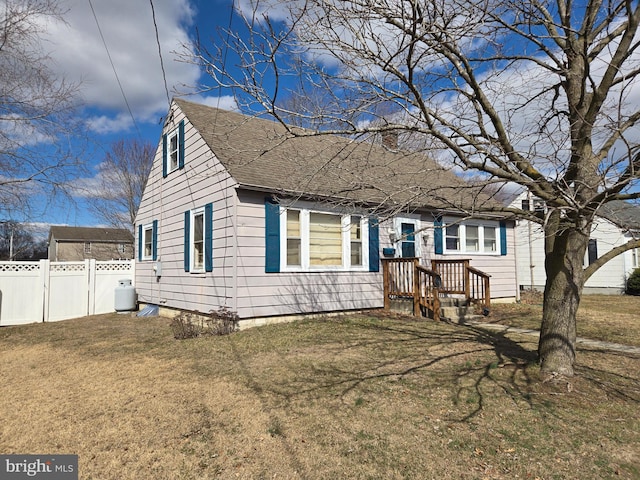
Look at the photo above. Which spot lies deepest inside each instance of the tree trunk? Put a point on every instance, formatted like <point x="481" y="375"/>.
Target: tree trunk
<point x="564" y="259"/>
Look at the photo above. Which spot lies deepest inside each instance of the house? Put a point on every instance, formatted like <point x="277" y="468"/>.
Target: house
<point x="81" y="243"/>
<point x="618" y="223"/>
<point x="238" y="213"/>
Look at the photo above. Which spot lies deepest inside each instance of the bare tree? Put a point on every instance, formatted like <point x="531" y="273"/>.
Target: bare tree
<point x="120" y="182"/>
<point x="35" y="108"/>
<point x="539" y="94"/>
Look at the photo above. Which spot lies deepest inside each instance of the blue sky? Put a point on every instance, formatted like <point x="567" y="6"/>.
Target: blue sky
<point x="113" y="54"/>
<point x="110" y="47"/>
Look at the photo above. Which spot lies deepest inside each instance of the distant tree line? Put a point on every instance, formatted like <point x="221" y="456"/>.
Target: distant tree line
<point x="18" y="242"/>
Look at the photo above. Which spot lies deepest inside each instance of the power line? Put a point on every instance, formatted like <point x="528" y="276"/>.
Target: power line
<point x="164" y="76"/>
<point x="113" y="67"/>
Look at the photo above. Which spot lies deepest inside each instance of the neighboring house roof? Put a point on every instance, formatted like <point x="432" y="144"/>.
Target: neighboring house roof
<point x="91" y="234"/>
<point x="623" y="214"/>
<point x="261" y="155"/>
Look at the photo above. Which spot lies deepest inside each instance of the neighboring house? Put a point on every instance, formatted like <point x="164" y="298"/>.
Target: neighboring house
<point x="234" y="215"/>
<point x="81" y="243"/>
<point x="618" y="223"/>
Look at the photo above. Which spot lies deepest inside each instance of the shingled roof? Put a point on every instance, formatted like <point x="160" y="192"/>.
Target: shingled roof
<point x="91" y="234"/>
<point x="261" y="154"/>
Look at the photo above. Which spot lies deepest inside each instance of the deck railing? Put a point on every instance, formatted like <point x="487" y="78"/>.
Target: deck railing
<point x="406" y="278"/>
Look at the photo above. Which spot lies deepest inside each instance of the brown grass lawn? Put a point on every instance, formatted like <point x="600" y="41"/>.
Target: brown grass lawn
<point x="612" y="318"/>
<point x="358" y="397"/>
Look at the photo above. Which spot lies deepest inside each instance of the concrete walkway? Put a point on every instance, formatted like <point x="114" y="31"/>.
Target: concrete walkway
<point x="496" y="327"/>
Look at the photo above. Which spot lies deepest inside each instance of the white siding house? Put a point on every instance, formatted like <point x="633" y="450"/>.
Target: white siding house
<point x="605" y="235"/>
<point x="236" y="213"/>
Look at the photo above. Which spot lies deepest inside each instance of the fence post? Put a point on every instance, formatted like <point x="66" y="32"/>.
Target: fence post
<point x="385" y="284"/>
<point x="91" y="286"/>
<point x="416" y="288"/>
<point x="43" y="294"/>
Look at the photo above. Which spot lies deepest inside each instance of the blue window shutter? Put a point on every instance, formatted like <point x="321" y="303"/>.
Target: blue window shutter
<point x="438" y="236"/>
<point x="181" y="144"/>
<point x="272" y="236"/>
<point x="374" y="245"/>
<point x="164" y="155"/>
<point x="208" y="237"/>
<point x="503" y="238"/>
<point x="187" y="243"/>
<point x="139" y="243"/>
<point x="154" y="240"/>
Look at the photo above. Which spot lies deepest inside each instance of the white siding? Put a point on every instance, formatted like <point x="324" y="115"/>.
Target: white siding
<point x="238" y="280"/>
<point x="201" y="181"/>
<point x="610" y="278"/>
<point x="502" y="268"/>
<point x="265" y="294"/>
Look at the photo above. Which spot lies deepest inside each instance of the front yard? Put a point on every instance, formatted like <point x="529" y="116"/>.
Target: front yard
<point x="351" y="397"/>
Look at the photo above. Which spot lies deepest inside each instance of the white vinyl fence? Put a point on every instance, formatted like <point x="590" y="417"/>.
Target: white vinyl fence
<point x="47" y="291"/>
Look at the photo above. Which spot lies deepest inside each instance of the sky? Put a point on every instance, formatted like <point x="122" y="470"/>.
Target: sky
<point x="110" y="48"/>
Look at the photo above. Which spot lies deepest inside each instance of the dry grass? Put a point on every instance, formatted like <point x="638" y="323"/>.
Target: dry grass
<point x="612" y="318"/>
<point x="355" y="397"/>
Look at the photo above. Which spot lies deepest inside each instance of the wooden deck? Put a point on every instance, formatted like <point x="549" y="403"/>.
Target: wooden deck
<point x="406" y="278"/>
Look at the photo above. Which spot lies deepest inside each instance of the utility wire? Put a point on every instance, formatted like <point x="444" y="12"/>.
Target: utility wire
<point x="164" y="75"/>
<point x="113" y="67"/>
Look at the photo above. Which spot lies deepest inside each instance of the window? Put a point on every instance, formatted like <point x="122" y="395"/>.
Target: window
<point x="197" y="242"/>
<point x="173" y="150"/>
<point x="592" y="251"/>
<point x="315" y="240"/>
<point x="122" y="248"/>
<point x="148" y="241"/>
<point x="87" y="247"/>
<point x="452" y="238"/>
<point x="408" y="240"/>
<point x="471" y="238"/>
<point x="355" y="232"/>
<point x="198" y="239"/>
<point x="294" y="239"/>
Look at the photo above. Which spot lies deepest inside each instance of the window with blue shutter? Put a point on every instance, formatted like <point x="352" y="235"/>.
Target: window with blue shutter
<point x="173" y="150"/>
<point x="272" y="236"/>
<point x="187" y="241"/>
<point x="198" y="239"/>
<point x="503" y="238"/>
<point x="374" y="245"/>
<point x="154" y="240"/>
<point x="305" y="240"/>
<point x="438" y="237"/>
<point x="471" y="237"/>
<point x="148" y="241"/>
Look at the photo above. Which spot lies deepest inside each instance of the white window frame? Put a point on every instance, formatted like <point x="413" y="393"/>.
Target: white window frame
<point x="174" y="134"/>
<point x="397" y="228"/>
<point x="193" y="268"/>
<point x="305" y="261"/>
<point x="147" y="228"/>
<point x="462" y="237"/>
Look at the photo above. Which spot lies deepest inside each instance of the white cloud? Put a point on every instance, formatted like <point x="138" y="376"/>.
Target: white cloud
<point x="103" y="124"/>
<point x="225" y="102"/>
<point x="78" y="53"/>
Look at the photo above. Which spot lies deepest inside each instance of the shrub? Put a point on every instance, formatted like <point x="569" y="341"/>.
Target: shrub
<point x="190" y="325"/>
<point x="633" y="283"/>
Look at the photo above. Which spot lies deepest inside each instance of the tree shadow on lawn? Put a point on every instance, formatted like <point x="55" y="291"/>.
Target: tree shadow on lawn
<point x="401" y="348"/>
